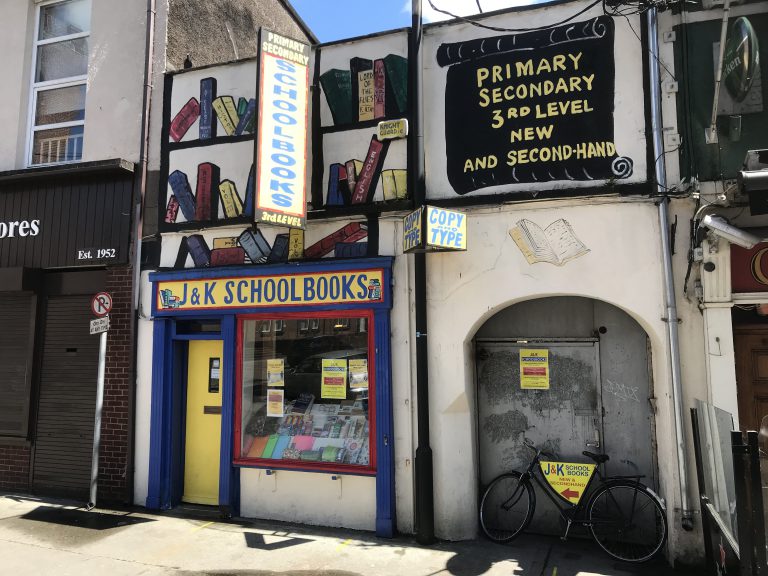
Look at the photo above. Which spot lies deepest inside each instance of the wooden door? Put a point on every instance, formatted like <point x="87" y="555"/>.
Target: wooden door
<point x="751" y="352"/>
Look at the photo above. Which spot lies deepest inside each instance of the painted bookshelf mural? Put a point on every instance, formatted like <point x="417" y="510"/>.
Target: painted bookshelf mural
<point x="363" y="83"/>
<point x="208" y="151"/>
<point x="270" y="245"/>
<point x="367" y="89"/>
<point x="213" y="103"/>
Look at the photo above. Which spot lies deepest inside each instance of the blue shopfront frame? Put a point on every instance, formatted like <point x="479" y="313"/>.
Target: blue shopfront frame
<point x="168" y="372"/>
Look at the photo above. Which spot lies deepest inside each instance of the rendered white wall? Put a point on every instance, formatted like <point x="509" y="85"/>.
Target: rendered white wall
<point x="113" y="105"/>
<point x="309" y="498"/>
<point x="144" y="328"/>
<point x="465" y="289"/>
<point x="16" y="30"/>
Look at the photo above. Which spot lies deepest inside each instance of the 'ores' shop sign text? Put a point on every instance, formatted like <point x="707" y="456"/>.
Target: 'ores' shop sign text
<point x="532" y="108"/>
<point x="282" y="143"/>
<point x="357" y="287"/>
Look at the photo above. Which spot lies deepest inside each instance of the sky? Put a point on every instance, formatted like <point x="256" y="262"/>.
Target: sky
<point x="336" y="19"/>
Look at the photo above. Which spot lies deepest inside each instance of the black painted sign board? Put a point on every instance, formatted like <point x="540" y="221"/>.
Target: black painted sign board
<point x="66" y="221"/>
<point x="532" y="107"/>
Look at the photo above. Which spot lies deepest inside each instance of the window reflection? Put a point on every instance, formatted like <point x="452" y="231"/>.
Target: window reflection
<point x="304" y="394"/>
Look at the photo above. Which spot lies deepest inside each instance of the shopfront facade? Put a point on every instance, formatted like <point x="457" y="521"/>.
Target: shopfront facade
<point x="563" y="250"/>
<point x="297" y="383"/>
<point x="64" y="238"/>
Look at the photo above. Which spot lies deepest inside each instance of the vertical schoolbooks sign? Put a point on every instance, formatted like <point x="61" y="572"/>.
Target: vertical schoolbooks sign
<point x="281" y="152"/>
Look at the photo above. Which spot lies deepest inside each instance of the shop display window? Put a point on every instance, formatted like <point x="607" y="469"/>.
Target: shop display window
<point x="304" y="398"/>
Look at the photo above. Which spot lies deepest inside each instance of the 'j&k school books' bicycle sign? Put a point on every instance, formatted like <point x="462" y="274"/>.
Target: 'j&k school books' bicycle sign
<point x="568" y="479"/>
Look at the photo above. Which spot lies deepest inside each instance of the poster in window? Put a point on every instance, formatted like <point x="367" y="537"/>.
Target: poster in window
<point x="275" y="398"/>
<point x="276" y="372"/>
<point x="334" y="383"/>
<point x="358" y="374"/>
<point x="534" y="369"/>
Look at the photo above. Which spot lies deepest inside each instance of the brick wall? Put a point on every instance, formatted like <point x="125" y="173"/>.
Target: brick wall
<point x="114" y="467"/>
<point x="14" y="468"/>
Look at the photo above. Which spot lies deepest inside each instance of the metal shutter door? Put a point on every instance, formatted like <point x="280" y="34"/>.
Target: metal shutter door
<point x="16" y="329"/>
<point x="62" y="460"/>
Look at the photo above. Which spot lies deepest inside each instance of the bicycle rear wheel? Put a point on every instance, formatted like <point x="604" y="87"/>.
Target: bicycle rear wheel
<point x="627" y="521"/>
<point x="507" y="507"/>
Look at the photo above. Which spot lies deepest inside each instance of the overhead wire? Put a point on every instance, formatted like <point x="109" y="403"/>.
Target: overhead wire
<point x="502" y="29"/>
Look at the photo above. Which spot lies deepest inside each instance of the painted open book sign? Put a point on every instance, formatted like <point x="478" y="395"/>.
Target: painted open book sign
<point x="556" y="244"/>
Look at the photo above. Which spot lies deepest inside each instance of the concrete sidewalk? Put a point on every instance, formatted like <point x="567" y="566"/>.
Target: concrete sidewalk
<point x="43" y="537"/>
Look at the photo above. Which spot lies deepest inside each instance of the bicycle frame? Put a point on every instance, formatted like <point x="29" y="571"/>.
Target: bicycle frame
<point x="569" y="510"/>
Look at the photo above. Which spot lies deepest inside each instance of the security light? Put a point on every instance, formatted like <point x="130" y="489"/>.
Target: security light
<point x="722" y="229"/>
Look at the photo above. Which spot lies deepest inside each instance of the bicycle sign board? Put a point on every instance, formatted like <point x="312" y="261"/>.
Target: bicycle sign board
<point x="568" y="479"/>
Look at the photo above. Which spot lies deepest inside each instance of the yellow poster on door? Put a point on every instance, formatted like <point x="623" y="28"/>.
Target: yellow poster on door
<point x="534" y="369"/>
<point x="568" y="479"/>
<point x="334" y="375"/>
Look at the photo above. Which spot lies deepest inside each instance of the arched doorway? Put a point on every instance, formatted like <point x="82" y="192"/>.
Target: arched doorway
<point x="597" y="394"/>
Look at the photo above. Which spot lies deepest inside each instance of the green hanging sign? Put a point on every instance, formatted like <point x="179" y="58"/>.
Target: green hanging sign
<point x="741" y="59"/>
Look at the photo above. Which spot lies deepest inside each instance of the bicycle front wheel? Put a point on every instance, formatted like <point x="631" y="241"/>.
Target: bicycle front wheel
<point x="507" y="507"/>
<point x="627" y="521"/>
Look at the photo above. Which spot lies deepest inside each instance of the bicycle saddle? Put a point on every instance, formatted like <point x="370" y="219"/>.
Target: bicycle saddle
<point x="599" y="458"/>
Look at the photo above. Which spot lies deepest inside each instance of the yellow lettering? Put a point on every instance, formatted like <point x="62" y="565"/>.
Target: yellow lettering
<point x="576" y="106"/>
<point x="498" y="119"/>
<point x="544" y="132"/>
<point x="543" y="66"/>
<point x="484" y="100"/>
<point x="558" y="62"/>
<point x="524" y="68"/>
<point x="575" y="59"/>
<point x="552" y="108"/>
<point x="496" y="74"/>
<point x="482" y="75"/>
<point x="588" y="81"/>
<point x="511" y="158"/>
<point x="468" y="166"/>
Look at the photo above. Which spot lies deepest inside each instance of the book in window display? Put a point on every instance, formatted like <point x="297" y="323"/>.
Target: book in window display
<point x="312" y="428"/>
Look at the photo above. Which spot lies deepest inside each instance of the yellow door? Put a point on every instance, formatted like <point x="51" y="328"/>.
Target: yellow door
<point x="203" y="434"/>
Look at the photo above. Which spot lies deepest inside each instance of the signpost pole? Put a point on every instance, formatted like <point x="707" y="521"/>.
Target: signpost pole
<point x="97" y="419"/>
<point x="425" y="512"/>
<point x="101" y="306"/>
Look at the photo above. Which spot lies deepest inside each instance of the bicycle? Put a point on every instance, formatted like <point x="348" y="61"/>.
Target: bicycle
<point x="626" y="518"/>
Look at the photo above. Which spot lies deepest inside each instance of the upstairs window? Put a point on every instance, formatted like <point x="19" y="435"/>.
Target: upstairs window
<point x="59" y="74"/>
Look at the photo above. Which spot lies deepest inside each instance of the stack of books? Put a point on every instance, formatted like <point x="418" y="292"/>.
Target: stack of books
<point x="369" y="90"/>
<point x="236" y="118"/>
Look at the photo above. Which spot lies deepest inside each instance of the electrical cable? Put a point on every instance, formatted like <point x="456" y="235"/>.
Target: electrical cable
<point x="500" y="29"/>
<point x="479" y="7"/>
<point x="658" y="60"/>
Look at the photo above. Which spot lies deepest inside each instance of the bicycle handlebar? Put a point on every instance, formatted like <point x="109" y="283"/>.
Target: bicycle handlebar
<point x="539" y="452"/>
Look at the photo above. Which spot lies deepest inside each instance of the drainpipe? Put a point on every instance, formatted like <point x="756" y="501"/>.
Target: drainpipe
<point x="137" y="235"/>
<point x="425" y="513"/>
<point x="666" y="253"/>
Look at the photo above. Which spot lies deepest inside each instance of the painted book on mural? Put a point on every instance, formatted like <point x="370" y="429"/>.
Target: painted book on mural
<point x="556" y="244"/>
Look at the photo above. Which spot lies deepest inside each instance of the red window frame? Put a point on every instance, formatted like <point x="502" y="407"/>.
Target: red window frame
<point x="270" y="463"/>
